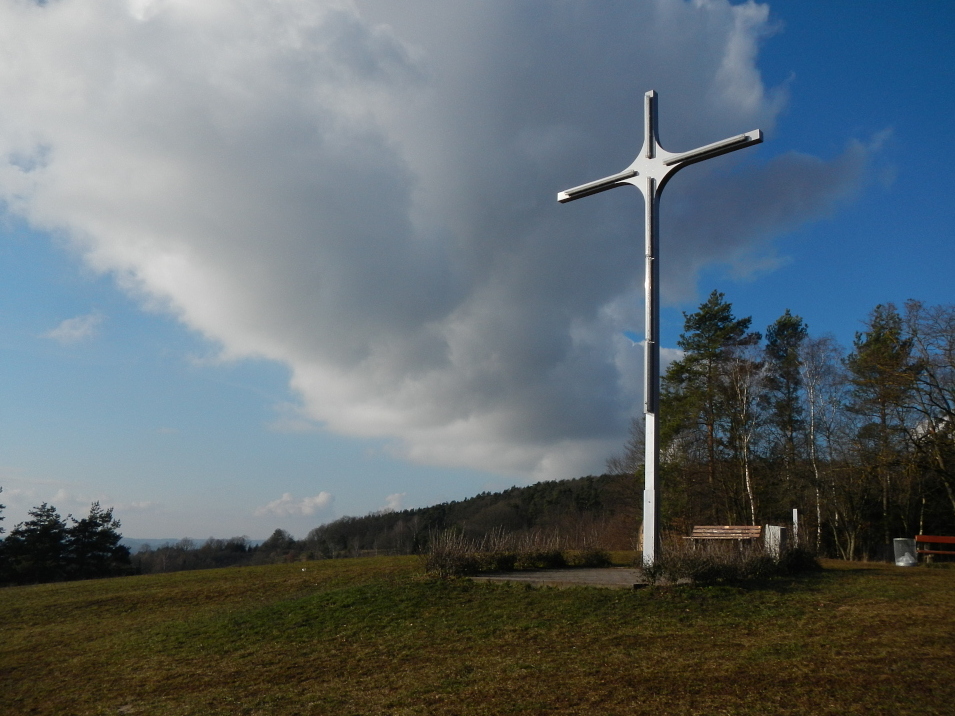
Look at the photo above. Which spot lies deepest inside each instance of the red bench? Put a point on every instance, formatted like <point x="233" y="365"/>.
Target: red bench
<point x="934" y="540"/>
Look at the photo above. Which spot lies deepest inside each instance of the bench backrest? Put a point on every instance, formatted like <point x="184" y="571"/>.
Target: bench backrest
<point x="727" y="532"/>
<point x="934" y="539"/>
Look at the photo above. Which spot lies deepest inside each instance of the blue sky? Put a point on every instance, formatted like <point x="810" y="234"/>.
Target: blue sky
<point x="855" y="71"/>
<point x="263" y="266"/>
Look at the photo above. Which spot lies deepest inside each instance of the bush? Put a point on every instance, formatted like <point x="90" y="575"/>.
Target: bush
<point x="799" y="560"/>
<point x="720" y="563"/>
<point x="451" y="554"/>
<point x="541" y="559"/>
<point x="588" y="558"/>
<point x="497" y="561"/>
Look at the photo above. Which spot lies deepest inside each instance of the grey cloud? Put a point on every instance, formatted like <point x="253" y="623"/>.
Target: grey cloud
<point x="366" y="193"/>
<point x="723" y="218"/>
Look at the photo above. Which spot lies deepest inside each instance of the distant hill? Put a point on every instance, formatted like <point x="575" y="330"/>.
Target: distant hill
<point x="602" y="510"/>
<point x="586" y="512"/>
<point x="135" y="544"/>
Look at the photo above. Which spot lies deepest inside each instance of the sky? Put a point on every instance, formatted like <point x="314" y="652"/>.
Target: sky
<point x="267" y="264"/>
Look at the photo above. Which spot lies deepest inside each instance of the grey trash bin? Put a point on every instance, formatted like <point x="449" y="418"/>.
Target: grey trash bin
<point x="904" y="552"/>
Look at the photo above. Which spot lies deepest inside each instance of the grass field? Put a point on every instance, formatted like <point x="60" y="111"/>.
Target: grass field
<point x="375" y="636"/>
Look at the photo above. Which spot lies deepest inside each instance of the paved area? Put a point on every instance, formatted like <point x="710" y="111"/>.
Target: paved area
<point x="612" y="577"/>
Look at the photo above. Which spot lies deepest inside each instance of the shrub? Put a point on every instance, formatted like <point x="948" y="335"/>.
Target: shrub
<point x="541" y="559"/>
<point x="799" y="560"/>
<point x="497" y="561"/>
<point x="588" y="558"/>
<point x="451" y="553"/>
<point x="725" y="563"/>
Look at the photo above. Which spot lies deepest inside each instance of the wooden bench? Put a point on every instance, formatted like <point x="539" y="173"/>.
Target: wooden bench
<point x="737" y="532"/>
<point x="929" y="540"/>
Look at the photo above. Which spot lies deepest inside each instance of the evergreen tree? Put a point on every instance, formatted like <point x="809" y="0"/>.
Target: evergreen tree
<point x="881" y="366"/>
<point x="695" y="406"/>
<point x="784" y="339"/>
<point x="93" y="546"/>
<point x="868" y="440"/>
<point x="36" y="549"/>
<point x="882" y="374"/>
<point x="278" y="542"/>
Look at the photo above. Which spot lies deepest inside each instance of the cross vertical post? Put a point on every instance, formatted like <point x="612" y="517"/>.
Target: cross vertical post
<point x="649" y="173"/>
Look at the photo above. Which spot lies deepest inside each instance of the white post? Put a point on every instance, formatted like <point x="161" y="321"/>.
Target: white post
<point x="774" y="539"/>
<point x="651" y="343"/>
<point x="649" y="173"/>
<point x="795" y="527"/>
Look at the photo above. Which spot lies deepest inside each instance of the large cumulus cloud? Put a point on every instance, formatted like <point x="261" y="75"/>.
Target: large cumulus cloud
<point x="365" y="192"/>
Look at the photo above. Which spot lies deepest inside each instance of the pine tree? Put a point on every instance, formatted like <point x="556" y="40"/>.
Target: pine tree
<point x="882" y="373"/>
<point x="93" y="546"/>
<point x="784" y="385"/>
<point x="696" y="412"/>
<point x="36" y="549"/>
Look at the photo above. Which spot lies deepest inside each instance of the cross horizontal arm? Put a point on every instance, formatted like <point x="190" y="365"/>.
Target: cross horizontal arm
<point x="715" y="149"/>
<point x="578" y="192"/>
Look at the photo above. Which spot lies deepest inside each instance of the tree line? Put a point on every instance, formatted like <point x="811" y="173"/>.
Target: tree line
<point x="586" y="512"/>
<point x="48" y="548"/>
<point x="862" y="441"/>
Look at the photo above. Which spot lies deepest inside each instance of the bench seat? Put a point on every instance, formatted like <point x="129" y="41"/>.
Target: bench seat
<point x="737" y="532"/>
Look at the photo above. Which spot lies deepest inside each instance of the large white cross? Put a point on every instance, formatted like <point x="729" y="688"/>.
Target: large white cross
<point x="650" y="172"/>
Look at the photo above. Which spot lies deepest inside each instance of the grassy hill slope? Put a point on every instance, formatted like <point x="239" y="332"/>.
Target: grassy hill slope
<point x="374" y="636"/>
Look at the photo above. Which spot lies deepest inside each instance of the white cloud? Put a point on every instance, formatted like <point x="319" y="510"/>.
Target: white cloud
<point x="63" y="497"/>
<point x="21" y="493"/>
<point x="13" y="496"/>
<point x="365" y="192"/>
<point x="287" y="506"/>
<point x="74" y="330"/>
<point x="394" y="502"/>
<point x="138" y="506"/>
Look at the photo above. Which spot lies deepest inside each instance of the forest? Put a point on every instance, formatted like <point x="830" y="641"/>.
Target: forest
<point x="861" y="441"/>
<point x="583" y="512"/>
<point x="586" y="511"/>
<point x="48" y="548"/>
<point x="753" y="425"/>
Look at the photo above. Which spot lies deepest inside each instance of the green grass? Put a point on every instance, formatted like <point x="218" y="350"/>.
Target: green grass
<point x="375" y="636"/>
